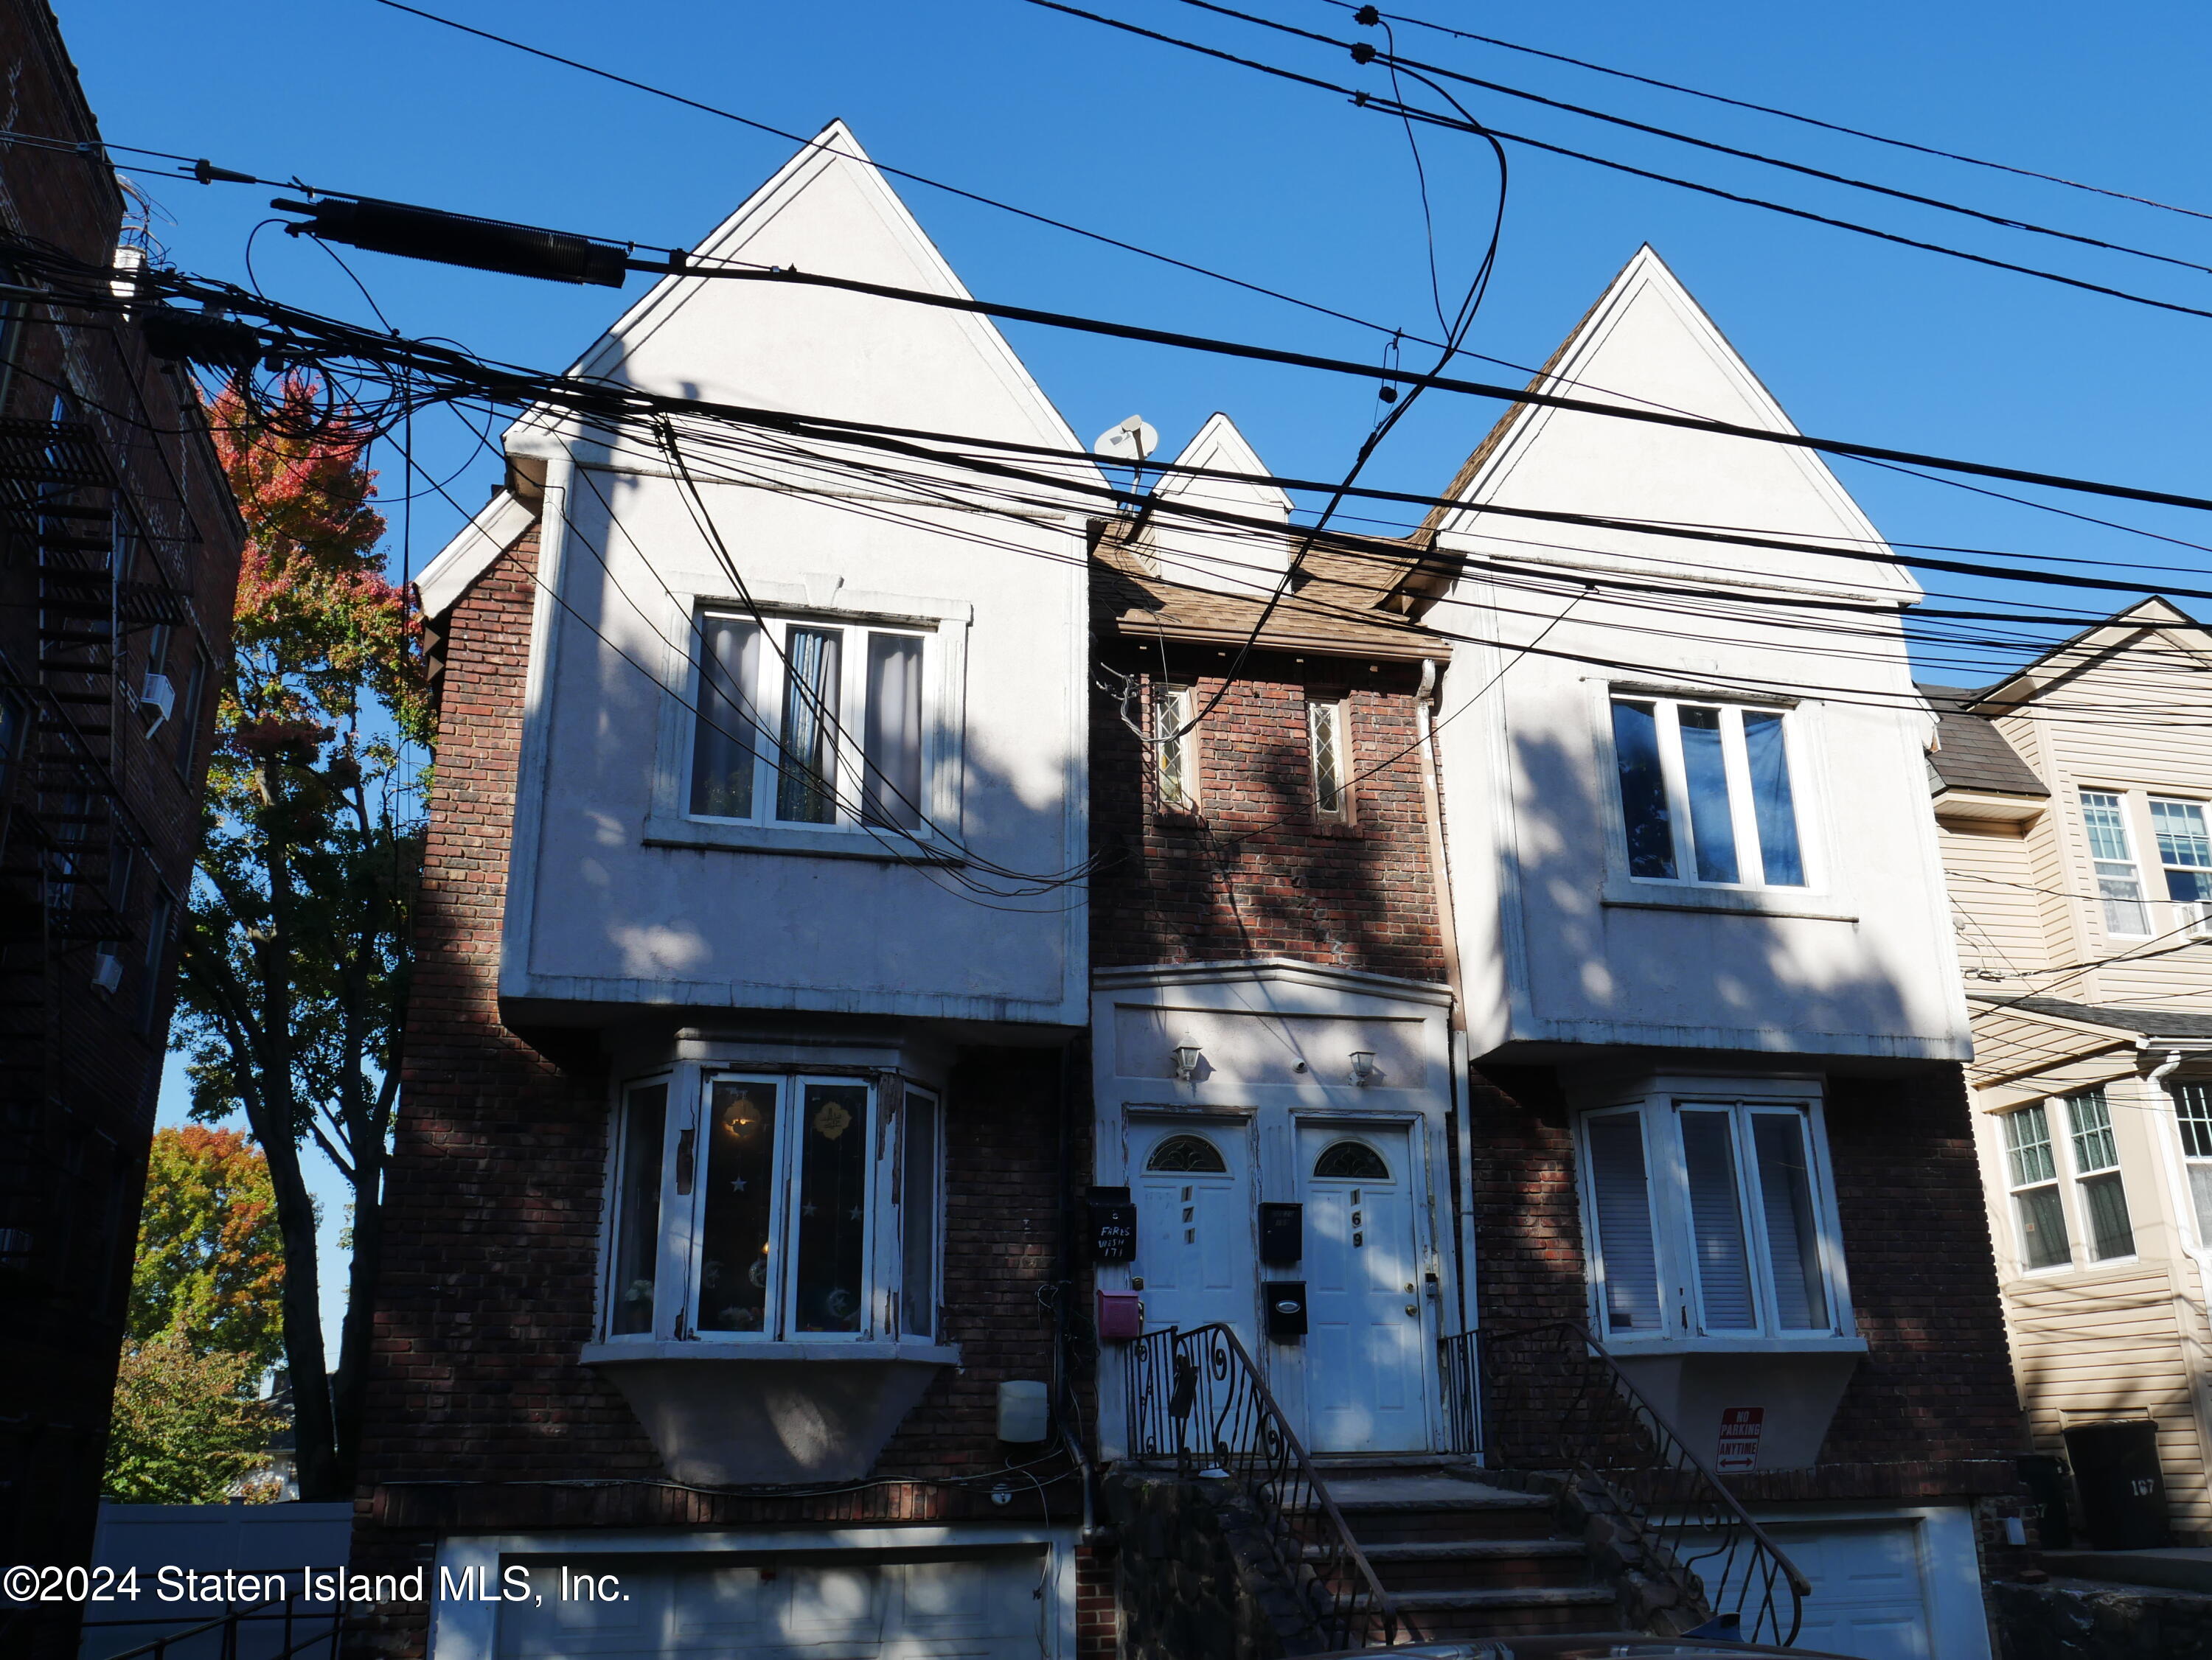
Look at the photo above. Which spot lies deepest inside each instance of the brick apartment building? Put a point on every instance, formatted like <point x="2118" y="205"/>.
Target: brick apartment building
<point x="121" y="546"/>
<point x="886" y="960"/>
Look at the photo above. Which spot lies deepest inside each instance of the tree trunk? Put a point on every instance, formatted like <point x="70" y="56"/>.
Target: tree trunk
<point x="314" y="1431"/>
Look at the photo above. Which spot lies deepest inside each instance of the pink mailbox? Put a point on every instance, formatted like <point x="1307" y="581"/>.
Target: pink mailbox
<point x="1121" y="1316"/>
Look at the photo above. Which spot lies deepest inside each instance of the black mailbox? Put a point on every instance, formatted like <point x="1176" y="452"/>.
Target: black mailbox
<point x="1282" y="1233"/>
<point x="1113" y="1225"/>
<point x="1287" y="1310"/>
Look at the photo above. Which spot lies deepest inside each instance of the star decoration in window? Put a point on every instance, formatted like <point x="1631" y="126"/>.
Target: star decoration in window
<point x="806" y="1210"/>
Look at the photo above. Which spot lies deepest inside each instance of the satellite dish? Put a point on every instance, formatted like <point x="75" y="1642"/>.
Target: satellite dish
<point x="1133" y="441"/>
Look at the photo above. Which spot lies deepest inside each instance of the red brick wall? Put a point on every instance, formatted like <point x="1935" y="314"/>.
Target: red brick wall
<point x="1254" y="873"/>
<point x="1932" y="1410"/>
<point x="479" y="1416"/>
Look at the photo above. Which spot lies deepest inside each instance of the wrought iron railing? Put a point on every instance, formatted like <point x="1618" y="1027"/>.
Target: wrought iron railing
<point x="1196" y="1397"/>
<point x="281" y="1628"/>
<point x="1555" y="1400"/>
<point x="1458" y="1364"/>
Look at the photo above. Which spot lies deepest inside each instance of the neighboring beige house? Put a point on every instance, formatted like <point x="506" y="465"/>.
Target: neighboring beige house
<point x="2074" y="806"/>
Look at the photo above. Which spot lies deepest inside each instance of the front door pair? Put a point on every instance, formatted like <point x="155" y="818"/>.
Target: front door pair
<point x="1362" y="1367"/>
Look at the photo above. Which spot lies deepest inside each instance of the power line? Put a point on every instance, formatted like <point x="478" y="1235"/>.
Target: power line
<point x="1769" y="109"/>
<point x="1362" y="52"/>
<point x="1390" y="107"/>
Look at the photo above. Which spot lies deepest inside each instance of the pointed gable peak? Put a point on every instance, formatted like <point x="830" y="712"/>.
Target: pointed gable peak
<point x="1647" y="343"/>
<point x="1220" y="446"/>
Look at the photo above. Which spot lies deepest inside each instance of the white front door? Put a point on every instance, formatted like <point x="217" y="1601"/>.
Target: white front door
<point x="1369" y="1357"/>
<point x="1192" y="1182"/>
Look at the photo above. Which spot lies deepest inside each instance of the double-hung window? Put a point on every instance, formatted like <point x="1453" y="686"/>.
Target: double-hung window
<point x="2119" y="884"/>
<point x="2097" y="1176"/>
<point x="807" y="723"/>
<point x="2192" y="1106"/>
<point x="772" y="1206"/>
<point x="2185" y="850"/>
<point x="1328" y="742"/>
<point x="1709" y="1218"/>
<point x="2038" y="1211"/>
<point x="1707" y="793"/>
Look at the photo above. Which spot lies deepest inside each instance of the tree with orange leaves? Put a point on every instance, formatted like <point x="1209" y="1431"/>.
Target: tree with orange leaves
<point x="297" y="947"/>
<point x="209" y="1270"/>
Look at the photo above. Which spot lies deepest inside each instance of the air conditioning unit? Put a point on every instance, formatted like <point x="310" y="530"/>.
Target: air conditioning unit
<point x="107" y="970"/>
<point x="157" y="701"/>
<point x="2195" y="915"/>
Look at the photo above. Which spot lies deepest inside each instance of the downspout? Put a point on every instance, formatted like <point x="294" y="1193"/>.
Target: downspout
<point x="1065" y="1398"/>
<point x="1448" y="934"/>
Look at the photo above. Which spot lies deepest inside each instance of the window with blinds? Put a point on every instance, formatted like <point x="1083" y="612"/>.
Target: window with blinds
<point x="1718" y="1202"/>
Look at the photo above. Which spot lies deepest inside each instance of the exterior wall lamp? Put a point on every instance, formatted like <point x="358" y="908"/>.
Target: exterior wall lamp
<point x="1363" y="1067"/>
<point x="1186" y="1063"/>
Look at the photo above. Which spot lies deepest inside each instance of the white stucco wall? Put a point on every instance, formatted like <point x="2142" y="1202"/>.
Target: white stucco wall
<point x="1560" y="945"/>
<point x="601" y="907"/>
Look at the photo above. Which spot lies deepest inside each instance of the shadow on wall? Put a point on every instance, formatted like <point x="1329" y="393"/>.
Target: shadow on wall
<point x="1255" y="872"/>
<point x="1801" y="983"/>
<point x="1936" y="1384"/>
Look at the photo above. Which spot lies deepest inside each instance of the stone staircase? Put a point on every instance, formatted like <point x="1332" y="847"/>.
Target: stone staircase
<point x="1464" y="1560"/>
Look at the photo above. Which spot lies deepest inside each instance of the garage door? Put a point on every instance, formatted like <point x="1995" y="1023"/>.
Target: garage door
<point x="1870" y="1597"/>
<point x="848" y="1605"/>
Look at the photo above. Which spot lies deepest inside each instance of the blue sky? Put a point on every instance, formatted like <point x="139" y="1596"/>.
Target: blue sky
<point x="1288" y="187"/>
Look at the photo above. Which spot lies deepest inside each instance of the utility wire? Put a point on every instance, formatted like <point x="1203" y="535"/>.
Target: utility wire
<point x="1363" y="52"/>
<point x="1769" y="109"/>
<point x="1390" y="107"/>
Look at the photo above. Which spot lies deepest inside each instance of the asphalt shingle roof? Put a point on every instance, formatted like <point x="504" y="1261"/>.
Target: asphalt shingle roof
<point x="2146" y="1022"/>
<point x="1971" y="753"/>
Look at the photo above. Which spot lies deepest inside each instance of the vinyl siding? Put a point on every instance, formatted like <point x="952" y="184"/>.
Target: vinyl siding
<point x="1999" y="918"/>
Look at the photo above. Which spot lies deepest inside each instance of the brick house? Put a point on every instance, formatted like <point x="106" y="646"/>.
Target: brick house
<point x="121" y="558"/>
<point x="892" y="953"/>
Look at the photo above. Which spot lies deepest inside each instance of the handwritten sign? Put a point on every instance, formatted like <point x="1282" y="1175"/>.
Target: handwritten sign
<point x="1741" y="1428"/>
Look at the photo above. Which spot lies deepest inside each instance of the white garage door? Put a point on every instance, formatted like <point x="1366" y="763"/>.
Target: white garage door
<point x="843" y="1606"/>
<point x="1870" y="1597"/>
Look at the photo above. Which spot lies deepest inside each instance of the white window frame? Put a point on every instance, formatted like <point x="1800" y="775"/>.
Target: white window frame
<point x="2195" y="914"/>
<point x="1331" y="717"/>
<point x="1666" y="707"/>
<point x="2016" y="1188"/>
<point x="2192" y="1118"/>
<point x="2127" y="868"/>
<point x="1174" y="761"/>
<point x="2084" y="1240"/>
<point x="1682" y="1322"/>
<point x="942" y="626"/>
<point x="682" y="1207"/>
<point x="764" y="703"/>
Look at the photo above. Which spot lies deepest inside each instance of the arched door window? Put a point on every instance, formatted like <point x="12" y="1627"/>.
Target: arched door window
<point x="1349" y="1161"/>
<point x="1187" y="1155"/>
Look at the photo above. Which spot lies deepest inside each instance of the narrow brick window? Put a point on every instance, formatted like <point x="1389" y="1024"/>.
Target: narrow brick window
<point x="1175" y="747"/>
<point x="1328" y="742"/>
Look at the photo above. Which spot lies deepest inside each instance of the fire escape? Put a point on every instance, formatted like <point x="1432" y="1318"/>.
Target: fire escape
<point x="68" y="840"/>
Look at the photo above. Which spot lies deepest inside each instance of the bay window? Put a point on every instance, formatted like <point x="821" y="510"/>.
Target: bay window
<point x="806" y="723"/>
<point x="758" y="1206"/>
<point x="1709" y="1217"/>
<point x="1706" y="793"/>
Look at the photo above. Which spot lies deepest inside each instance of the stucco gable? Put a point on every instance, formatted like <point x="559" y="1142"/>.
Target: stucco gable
<point x="1647" y="341"/>
<point x="1231" y="561"/>
<point x="817" y="351"/>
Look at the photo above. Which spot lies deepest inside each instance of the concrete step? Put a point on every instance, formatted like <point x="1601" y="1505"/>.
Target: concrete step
<point x="1507" y="1611"/>
<point x="1397" y="1509"/>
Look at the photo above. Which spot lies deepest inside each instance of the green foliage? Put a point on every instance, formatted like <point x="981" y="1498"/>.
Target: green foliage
<point x="210" y="1269"/>
<point x="293" y="989"/>
<point x="187" y="1429"/>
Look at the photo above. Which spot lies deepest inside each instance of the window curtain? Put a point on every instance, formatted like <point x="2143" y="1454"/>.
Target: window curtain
<point x="892" y="792"/>
<point x="723" y="744"/>
<point x="806" y="783"/>
<point x="1774" y="805"/>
